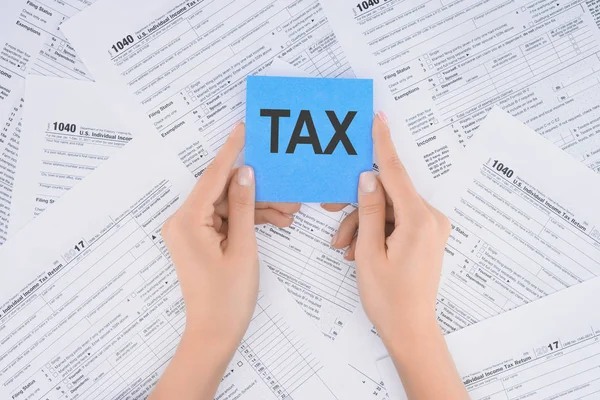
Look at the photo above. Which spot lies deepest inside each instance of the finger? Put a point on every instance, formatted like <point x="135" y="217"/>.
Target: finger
<point x="222" y="208"/>
<point x="346" y="231"/>
<point x="222" y="199"/>
<point x="349" y="226"/>
<point x="286" y="208"/>
<point x="212" y="183"/>
<point x="389" y="229"/>
<point x="371" y="215"/>
<point x="242" y="238"/>
<point x="442" y="220"/>
<point x="350" y="254"/>
<point x="217" y="222"/>
<point x="273" y="217"/>
<point x="224" y="228"/>
<point x="389" y="214"/>
<point x="333" y="207"/>
<point x="392" y="173"/>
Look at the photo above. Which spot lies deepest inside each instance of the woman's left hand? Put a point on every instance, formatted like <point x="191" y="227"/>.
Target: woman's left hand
<point x="216" y="260"/>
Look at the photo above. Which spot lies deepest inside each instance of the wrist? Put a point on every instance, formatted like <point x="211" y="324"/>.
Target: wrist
<point x="411" y="337"/>
<point x="208" y="345"/>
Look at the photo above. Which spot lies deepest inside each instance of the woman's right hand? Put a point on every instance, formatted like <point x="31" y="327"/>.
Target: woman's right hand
<point x="398" y="272"/>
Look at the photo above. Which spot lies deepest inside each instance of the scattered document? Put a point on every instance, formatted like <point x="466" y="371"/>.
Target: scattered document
<point x="184" y="63"/>
<point x="445" y="65"/>
<point x="69" y="128"/>
<point x="33" y="45"/>
<point x="524" y="225"/>
<point x="96" y="310"/>
<point x="192" y="89"/>
<point x="362" y="359"/>
<point x="549" y="349"/>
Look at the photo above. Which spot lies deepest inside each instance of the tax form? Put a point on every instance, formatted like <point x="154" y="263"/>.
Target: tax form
<point x="446" y="64"/>
<point x="185" y="63"/>
<point x="549" y="349"/>
<point x="524" y="225"/>
<point x="30" y="44"/>
<point x="70" y="127"/>
<point x="96" y="310"/>
<point x="185" y="71"/>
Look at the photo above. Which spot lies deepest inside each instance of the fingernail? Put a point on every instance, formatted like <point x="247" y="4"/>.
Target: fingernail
<point x="382" y="117"/>
<point x="236" y="125"/>
<point x="334" y="238"/>
<point x="367" y="182"/>
<point x="245" y="176"/>
<point x="347" y="253"/>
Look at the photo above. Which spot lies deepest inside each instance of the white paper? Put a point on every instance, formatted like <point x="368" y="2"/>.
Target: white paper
<point x="192" y="89"/>
<point x="96" y="310"/>
<point x="69" y="128"/>
<point x="185" y="63"/>
<point x="545" y="350"/>
<point x="517" y="236"/>
<point x="30" y="43"/>
<point x="446" y="64"/>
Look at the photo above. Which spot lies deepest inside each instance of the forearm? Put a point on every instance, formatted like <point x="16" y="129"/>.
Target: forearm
<point x="195" y="371"/>
<point x="425" y="365"/>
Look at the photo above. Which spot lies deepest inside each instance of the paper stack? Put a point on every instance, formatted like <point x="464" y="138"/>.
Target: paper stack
<point x="108" y="111"/>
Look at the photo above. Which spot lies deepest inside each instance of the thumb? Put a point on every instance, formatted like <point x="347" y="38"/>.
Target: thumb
<point x="371" y="217"/>
<point x="241" y="235"/>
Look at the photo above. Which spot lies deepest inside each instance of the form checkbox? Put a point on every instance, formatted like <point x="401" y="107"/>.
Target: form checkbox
<point x="194" y="98"/>
<point x="278" y="29"/>
<point x="22" y="67"/>
<point x="288" y="43"/>
<point x="531" y="24"/>
<point x="239" y="364"/>
<point x="133" y="294"/>
<point x="55" y="374"/>
<point x="189" y="89"/>
<point x="523" y="9"/>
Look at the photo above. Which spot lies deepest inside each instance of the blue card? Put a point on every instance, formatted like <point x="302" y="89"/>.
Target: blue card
<point x="308" y="139"/>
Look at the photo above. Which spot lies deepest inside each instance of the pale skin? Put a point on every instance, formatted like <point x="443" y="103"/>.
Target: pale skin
<point x="398" y="250"/>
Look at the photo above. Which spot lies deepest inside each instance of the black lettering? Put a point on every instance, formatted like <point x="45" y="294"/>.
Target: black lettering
<point x="275" y="115"/>
<point x="304" y="119"/>
<point x="340" y="132"/>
